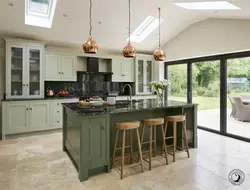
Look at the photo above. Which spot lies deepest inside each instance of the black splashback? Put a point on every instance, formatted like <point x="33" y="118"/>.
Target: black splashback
<point x="93" y="84"/>
<point x="92" y="64"/>
<point x="57" y="86"/>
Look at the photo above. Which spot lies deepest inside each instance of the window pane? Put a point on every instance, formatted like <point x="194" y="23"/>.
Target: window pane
<point x="238" y="100"/>
<point x="39" y="6"/>
<point x="177" y="77"/>
<point x="206" y="93"/>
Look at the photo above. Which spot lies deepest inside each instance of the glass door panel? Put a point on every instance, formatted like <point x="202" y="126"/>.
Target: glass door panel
<point x="140" y="76"/>
<point x="238" y="100"/>
<point x="16" y="84"/>
<point x="177" y="77"/>
<point x="148" y="76"/>
<point x="206" y="93"/>
<point x="34" y="72"/>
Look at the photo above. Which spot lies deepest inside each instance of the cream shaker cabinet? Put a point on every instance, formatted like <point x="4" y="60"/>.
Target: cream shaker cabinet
<point x="143" y="74"/>
<point x="60" y="68"/>
<point x="26" y="116"/>
<point x="24" y="64"/>
<point x="123" y="70"/>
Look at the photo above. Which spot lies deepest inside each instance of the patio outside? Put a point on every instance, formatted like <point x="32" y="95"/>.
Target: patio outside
<point x="206" y="91"/>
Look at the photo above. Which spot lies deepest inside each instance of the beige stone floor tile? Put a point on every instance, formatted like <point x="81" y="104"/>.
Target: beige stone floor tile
<point x="37" y="162"/>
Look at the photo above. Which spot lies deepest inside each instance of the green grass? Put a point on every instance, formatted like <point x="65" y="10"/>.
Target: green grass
<point x="206" y="103"/>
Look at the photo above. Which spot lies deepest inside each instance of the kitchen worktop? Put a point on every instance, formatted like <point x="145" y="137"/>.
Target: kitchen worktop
<point x="120" y="107"/>
<point x="46" y="98"/>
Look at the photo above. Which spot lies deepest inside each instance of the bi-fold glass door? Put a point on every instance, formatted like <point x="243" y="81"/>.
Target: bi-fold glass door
<point x="220" y="85"/>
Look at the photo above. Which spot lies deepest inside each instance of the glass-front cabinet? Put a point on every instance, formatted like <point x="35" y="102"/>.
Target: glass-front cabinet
<point x="144" y="74"/>
<point x="24" y="72"/>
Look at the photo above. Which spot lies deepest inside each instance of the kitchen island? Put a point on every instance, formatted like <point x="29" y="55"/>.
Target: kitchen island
<point x="89" y="132"/>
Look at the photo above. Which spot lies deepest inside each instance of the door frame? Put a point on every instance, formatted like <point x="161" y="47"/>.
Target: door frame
<point x="223" y="86"/>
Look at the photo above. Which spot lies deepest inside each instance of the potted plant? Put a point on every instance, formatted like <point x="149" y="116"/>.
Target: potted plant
<point x="159" y="88"/>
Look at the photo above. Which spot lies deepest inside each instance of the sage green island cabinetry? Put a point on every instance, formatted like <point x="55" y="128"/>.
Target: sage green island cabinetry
<point x="89" y="132"/>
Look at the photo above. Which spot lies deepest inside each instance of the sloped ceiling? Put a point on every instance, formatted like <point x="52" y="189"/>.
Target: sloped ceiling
<point x="110" y="21"/>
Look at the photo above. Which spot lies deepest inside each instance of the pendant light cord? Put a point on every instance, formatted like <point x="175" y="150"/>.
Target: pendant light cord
<point x="159" y="26"/>
<point x="129" y="20"/>
<point x="90" y="17"/>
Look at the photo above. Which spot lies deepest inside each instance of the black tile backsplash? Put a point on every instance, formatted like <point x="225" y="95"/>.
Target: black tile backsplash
<point x="73" y="87"/>
<point x="57" y="86"/>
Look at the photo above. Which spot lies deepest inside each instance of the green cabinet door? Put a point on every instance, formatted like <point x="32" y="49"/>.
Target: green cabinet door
<point x="98" y="142"/>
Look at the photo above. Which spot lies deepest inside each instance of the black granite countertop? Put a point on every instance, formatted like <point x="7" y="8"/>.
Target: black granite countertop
<point x="123" y="107"/>
<point x="46" y="98"/>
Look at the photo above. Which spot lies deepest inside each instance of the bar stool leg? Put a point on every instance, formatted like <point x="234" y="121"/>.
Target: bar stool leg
<point x="185" y="138"/>
<point x="154" y="141"/>
<point x="174" y="139"/>
<point x="139" y="148"/>
<point x="142" y="134"/>
<point x="131" y="146"/>
<point x="116" y="138"/>
<point x="150" y="146"/>
<point x="164" y="144"/>
<point x="123" y="152"/>
<point x="165" y="132"/>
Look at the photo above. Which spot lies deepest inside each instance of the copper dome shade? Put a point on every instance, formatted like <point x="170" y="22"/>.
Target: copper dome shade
<point x="159" y="55"/>
<point x="129" y="51"/>
<point x="90" y="46"/>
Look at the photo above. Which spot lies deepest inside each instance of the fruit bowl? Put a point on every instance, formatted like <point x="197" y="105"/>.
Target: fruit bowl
<point x="96" y="103"/>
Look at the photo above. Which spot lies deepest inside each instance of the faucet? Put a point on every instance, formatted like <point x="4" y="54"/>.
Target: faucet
<point x="130" y="91"/>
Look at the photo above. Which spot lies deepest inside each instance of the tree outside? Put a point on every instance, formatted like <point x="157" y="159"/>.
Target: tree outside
<point x="206" y="81"/>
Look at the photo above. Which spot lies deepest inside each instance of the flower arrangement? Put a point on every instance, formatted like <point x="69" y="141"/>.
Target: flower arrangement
<point x="159" y="88"/>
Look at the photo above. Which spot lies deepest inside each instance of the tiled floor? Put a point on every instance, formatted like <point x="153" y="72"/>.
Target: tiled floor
<point x="38" y="163"/>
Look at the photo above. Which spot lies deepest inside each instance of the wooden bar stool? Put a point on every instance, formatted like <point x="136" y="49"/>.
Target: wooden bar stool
<point x="153" y="123"/>
<point x="125" y="127"/>
<point x="175" y="119"/>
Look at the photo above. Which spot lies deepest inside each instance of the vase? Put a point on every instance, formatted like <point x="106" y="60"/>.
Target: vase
<point x="160" y="94"/>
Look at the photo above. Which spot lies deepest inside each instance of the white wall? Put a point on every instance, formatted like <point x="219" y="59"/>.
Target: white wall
<point x="210" y="37"/>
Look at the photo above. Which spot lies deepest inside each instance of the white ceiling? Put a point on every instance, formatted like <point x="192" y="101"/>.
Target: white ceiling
<point x="112" y="33"/>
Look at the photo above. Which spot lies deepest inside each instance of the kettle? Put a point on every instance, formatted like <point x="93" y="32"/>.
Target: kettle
<point x="50" y="92"/>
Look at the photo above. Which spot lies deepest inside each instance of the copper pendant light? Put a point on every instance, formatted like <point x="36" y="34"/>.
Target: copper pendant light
<point x="129" y="51"/>
<point x="90" y="45"/>
<point x="159" y="54"/>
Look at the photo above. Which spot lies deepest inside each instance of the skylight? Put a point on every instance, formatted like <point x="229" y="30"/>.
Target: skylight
<point x="213" y="5"/>
<point x="144" y="29"/>
<point x="40" y="12"/>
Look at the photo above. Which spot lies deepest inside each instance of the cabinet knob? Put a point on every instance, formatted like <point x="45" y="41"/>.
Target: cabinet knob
<point x="57" y="111"/>
<point x="59" y="73"/>
<point x="58" y="104"/>
<point x="102" y="126"/>
<point x="57" y="121"/>
<point x="27" y="109"/>
<point x="23" y="84"/>
<point x="30" y="108"/>
<point x="27" y="84"/>
<point x="62" y="73"/>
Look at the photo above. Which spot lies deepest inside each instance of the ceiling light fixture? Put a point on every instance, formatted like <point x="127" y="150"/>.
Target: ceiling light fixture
<point x="90" y="45"/>
<point x="213" y="5"/>
<point x="129" y="51"/>
<point x="159" y="54"/>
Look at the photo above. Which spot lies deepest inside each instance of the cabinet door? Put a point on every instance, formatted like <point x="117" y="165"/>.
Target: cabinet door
<point x="140" y="76"/>
<point x="56" y="121"/>
<point x="17" y="117"/>
<point x="39" y="115"/>
<point x="68" y="68"/>
<point x="128" y="70"/>
<point x="35" y="62"/>
<point x="97" y="142"/>
<point x="117" y="70"/>
<point x="148" y="76"/>
<point x="53" y="67"/>
<point x="15" y="76"/>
